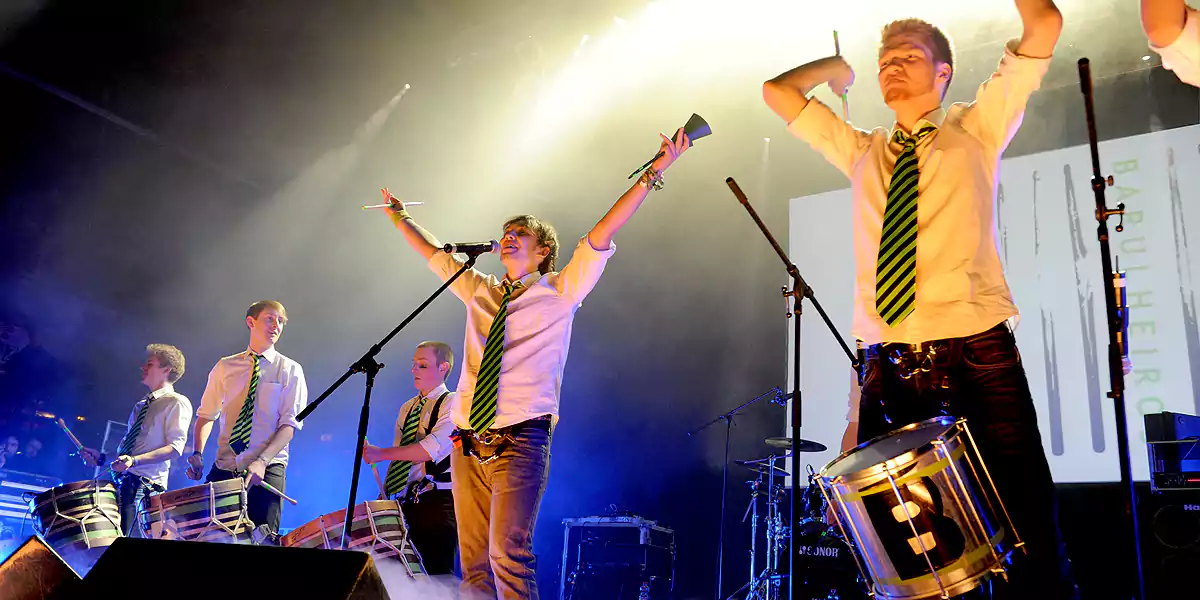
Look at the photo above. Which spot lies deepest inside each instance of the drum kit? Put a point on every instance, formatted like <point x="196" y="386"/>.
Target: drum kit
<point x="81" y="519"/>
<point x="909" y="515"/>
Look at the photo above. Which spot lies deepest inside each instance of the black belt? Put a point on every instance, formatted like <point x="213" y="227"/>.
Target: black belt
<point x="501" y="437"/>
<point x="910" y="359"/>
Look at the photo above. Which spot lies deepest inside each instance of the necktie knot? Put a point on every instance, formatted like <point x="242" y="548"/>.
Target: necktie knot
<point x="907" y="140"/>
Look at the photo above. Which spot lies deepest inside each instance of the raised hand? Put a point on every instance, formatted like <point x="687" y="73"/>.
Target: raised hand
<point x="671" y="149"/>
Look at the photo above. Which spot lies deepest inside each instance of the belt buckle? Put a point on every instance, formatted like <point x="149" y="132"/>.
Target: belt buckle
<point x="911" y="359"/>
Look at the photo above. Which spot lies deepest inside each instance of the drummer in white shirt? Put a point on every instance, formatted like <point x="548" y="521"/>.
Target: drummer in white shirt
<point x="253" y="440"/>
<point x="419" y="473"/>
<point x="1174" y="32"/>
<point x="157" y="433"/>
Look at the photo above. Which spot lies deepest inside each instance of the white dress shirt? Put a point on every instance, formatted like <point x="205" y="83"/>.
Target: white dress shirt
<point x="537" y="332"/>
<point x="960" y="285"/>
<point x="282" y="394"/>
<point x="1183" y="55"/>
<point x="166" y="424"/>
<point x="438" y="443"/>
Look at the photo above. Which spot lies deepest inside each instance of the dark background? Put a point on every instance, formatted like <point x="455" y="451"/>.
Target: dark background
<point x="167" y="164"/>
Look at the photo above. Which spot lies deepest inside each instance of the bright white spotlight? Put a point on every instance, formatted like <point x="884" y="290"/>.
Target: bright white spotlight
<point x="406" y="86"/>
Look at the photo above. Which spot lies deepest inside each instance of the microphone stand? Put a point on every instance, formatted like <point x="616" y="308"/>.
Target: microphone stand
<point x="1116" y="372"/>
<point x="369" y="366"/>
<point x="728" y="418"/>
<point x="799" y="292"/>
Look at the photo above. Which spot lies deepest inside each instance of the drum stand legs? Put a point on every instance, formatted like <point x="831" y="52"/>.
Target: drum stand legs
<point x="765" y="585"/>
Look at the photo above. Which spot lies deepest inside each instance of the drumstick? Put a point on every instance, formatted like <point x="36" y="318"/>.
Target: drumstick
<point x="273" y="490"/>
<point x="389" y="197"/>
<point x="837" y="49"/>
<point x="74" y="440"/>
<point x="378" y="481"/>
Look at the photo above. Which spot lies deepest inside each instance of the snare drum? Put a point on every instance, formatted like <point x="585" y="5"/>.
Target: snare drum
<point x="79" y="520"/>
<point x="378" y="529"/>
<point x="212" y="512"/>
<point x="922" y="510"/>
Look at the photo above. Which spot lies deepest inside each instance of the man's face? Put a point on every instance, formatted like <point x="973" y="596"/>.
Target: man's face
<point x="427" y="373"/>
<point x="12" y="445"/>
<point x="519" y="247"/>
<point x="267" y="326"/>
<point x="155" y="375"/>
<point x="907" y="69"/>
<point x="32" y="447"/>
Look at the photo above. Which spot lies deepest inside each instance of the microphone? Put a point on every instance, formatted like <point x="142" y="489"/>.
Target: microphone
<point x="472" y="248"/>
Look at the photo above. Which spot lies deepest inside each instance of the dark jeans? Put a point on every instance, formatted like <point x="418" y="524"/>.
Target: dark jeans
<point x="980" y="377"/>
<point x="133" y="489"/>
<point x="497" y="505"/>
<point x="264" y="508"/>
<point x="433" y="530"/>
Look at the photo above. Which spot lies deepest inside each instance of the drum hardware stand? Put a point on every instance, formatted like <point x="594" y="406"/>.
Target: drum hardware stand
<point x="369" y="366"/>
<point x="728" y="419"/>
<point x="799" y="292"/>
<point x="765" y="585"/>
<point x="1117" y="319"/>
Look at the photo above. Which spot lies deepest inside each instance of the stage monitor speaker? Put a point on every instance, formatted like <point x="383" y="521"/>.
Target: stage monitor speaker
<point x="36" y="572"/>
<point x="134" y="568"/>
<point x="1170" y="528"/>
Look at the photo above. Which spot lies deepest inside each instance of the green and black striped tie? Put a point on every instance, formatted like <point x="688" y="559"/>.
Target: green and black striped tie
<point x="896" y="271"/>
<point x="239" y="439"/>
<point x="397" y="475"/>
<point x="487" y="384"/>
<point x="135" y="430"/>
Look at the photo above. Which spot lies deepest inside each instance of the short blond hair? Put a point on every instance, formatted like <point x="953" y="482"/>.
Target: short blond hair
<point x="943" y="48"/>
<point x="257" y="308"/>
<point x="168" y="356"/>
<point x="441" y="351"/>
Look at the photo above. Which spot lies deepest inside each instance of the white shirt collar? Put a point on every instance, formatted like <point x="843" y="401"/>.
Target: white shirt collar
<point x="163" y="391"/>
<point x="271" y="354"/>
<point x="527" y="280"/>
<point x="436" y="393"/>
<point x="934" y="117"/>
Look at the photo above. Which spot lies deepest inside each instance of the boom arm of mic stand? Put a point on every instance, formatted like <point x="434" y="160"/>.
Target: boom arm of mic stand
<point x="359" y="366"/>
<point x="1115" y="322"/>
<point x="801" y="290"/>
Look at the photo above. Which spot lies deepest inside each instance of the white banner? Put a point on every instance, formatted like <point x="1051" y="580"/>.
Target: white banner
<point x="1047" y="235"/>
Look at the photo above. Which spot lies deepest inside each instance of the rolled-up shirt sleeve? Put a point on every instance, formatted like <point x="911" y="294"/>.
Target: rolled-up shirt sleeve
<point x="213" y="400"/>
<point x="581" y="274"/>
<point x="295" y="398"/>
<point x="838" y="141"/>
<point x="1183" y="55"/>
<point x="438" y="443"/>
<point x="178" y="418"/>
<point x="995" y="115"/>
<point x="445" y="265"/>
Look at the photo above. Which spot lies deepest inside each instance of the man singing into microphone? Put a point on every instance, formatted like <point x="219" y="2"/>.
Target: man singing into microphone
<point x="517" y="336"/>
<point x="931" y="297"/>
<point x="256" y="394"/>
<point x="1174" y="31"/>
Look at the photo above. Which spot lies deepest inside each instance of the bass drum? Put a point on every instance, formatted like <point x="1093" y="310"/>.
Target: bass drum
<point x="826" y="567"/>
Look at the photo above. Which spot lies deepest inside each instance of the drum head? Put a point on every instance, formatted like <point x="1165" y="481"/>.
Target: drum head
<point x="887" y="447"/>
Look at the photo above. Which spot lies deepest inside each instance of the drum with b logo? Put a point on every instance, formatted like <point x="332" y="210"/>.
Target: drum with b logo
<point x="922" y="510"/>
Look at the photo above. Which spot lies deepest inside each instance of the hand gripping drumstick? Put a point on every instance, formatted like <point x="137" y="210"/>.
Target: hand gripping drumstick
<point x="837" y="49"/>
<point x="388" y="197"/>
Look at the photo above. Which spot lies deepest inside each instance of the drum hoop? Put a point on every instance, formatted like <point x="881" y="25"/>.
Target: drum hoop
<point x="904" y="457"/>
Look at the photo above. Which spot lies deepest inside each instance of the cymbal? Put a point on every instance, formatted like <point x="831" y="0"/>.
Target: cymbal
<point x="803" y="446"/>
<point x="762" y="467"/>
